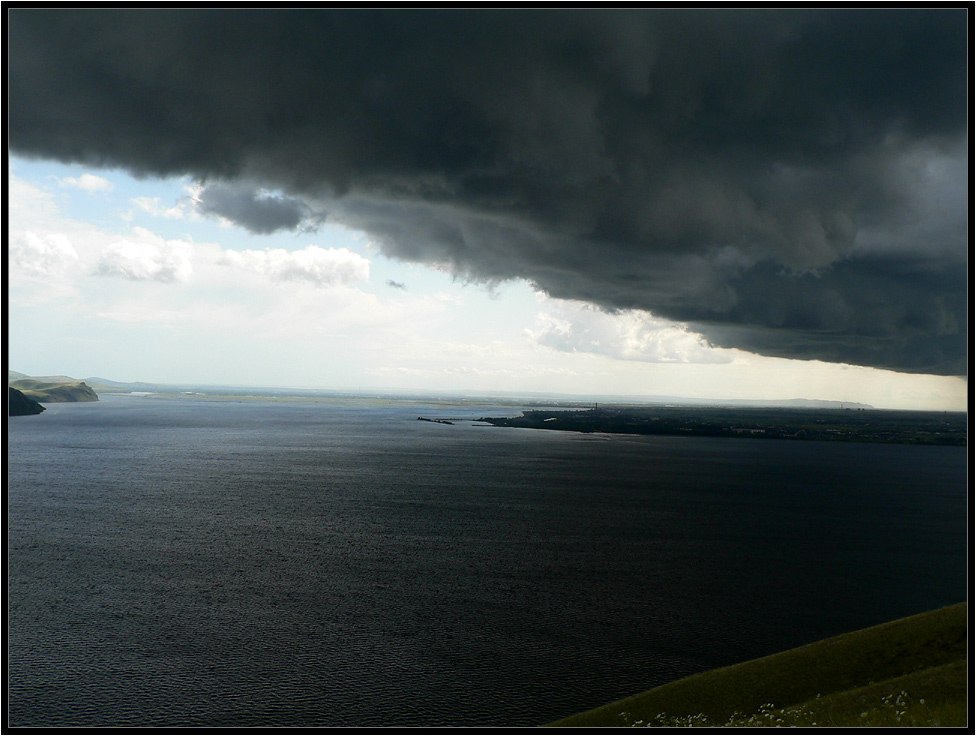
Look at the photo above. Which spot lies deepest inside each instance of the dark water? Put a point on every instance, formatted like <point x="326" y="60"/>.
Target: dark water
<point x="189" y="562"/>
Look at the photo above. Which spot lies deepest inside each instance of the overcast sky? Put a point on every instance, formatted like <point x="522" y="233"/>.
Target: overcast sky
<point x="718" y="203"/>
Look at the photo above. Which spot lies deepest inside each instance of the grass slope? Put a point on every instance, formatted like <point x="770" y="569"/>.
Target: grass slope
<point x="47" y="392"/>
<point x="905" y="672"/>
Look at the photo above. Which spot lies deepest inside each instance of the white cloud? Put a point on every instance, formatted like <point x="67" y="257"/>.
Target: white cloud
<point x="29" y="203"/>
<point x="573" y="326"/>
<point x="320" y="266"/>
<point x="154" y="206"/>
<point x="165" y="261"/>
<point x="87" y="182"/>
<point x="43" y="256"/>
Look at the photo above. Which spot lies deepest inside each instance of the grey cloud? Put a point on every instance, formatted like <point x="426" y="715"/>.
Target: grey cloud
<point x="791" y="182"/>
<point x="255" y="211"/>
<point x="396" y="284"/>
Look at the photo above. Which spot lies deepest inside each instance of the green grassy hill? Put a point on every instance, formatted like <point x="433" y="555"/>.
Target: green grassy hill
<point x="47" y="392"/>
<point x="51" y="379"/>
<point x="909" y="672"/>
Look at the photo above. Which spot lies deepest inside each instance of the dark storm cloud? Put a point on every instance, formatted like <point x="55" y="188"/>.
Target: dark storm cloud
<point x="791" y="182"/>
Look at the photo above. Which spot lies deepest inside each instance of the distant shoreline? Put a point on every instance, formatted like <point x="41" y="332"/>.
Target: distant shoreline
<point x="916" y="428"/>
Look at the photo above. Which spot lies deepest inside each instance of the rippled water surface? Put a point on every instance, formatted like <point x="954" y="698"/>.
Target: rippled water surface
<point x="194" y="562"/>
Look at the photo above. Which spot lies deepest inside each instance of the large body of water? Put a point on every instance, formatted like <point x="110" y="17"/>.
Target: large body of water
<point x="223" y="563"/>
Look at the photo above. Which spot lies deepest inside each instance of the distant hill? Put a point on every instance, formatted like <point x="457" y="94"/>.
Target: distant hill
<point x="54" y="379"/>
<point x="19" y="405"/>
<point x="51" y="392"/>
<point x="107" y="385"/>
